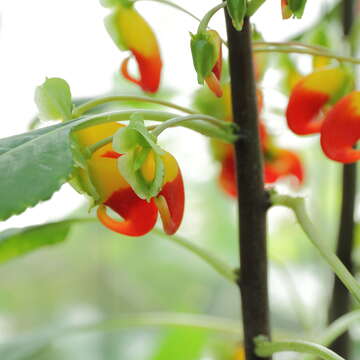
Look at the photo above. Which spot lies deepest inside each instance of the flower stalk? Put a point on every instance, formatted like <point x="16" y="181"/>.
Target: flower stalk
<point x="297" y="204"/>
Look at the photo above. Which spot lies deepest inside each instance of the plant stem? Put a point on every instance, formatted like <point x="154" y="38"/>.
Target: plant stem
<point x="175" y="6"/>
<point x="83" y="108"/>
<point x="340" y="299"/>
<point x="336" y="329"/>
<point x="252" y="198"/>
<point x="201" y="127"/>
<point x="179" y="120"/>
<point x="296" y="50"/>
<point x="211" y="259"/>
<point x="290" y="43"/>
<point x="298" y="206"/>
<point x="204" y="23"/>
<point x="265" y="348"/>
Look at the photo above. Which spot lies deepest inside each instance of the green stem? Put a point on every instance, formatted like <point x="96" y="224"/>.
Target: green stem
<point x="298" y="206"/>
<point x="337" y="328"/>
<point x="204" y="23"/>
<point x="201" y="127"/>
<point x="175" y="6"/>
<point x="94" y="147"/>
<point x="83" y="108"/>
<point x="295" y="50"/>
<point x="178" y="120"/>
<point x="289" y="43"/>
<point x="264" y="348"/>
<point x="211" y="259"/>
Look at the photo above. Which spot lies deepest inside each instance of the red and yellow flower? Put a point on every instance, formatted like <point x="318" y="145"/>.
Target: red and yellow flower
<point x="314" y="106"/>
<point x="130" y="31"/>
<point x="311" y="97"/>
<point x="278" y="163"/>
<point x="341" y="129"/>
<point x="114" y="192"/>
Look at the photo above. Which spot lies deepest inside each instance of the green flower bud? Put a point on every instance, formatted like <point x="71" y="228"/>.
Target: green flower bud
<point x="205" y="52"/>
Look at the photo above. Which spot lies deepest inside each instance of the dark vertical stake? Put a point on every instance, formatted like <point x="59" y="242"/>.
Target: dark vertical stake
<point x="340" y="301"/>
<point x="252" y="197"/>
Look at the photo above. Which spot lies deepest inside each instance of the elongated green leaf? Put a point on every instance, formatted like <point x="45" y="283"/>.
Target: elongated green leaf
<point x="17" y="242"/>
<point x="53" y="99"/>
<point x="34" y="165"/>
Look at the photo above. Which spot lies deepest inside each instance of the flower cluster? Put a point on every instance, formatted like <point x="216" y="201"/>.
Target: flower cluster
<point x="321" y="103"/>
<point x="278" y="162"/>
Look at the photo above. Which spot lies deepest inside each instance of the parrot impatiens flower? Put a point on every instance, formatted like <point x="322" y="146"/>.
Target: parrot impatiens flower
<point x="131" y="32"/>
<point x="138" y="215"/>
<point x="341" y="129"/>
<point x="311" y="95"/>
<point x="278" y="163"/>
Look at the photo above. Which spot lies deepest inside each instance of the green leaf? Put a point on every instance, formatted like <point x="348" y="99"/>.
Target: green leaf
<point x="237" y="12"/>
<point x="53" y="99"/>
<point x="297" y="7"/>
<point x="181" y="344"/>
<point x="18" y="242"/>
<point x="34" y="165"/>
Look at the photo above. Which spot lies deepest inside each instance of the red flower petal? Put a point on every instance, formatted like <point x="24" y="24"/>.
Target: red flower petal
<point x="341" y="130"/>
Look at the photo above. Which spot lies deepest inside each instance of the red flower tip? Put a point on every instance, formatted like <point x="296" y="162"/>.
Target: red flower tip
<point x="139" y="216"/>
<point x="341" y="130"/>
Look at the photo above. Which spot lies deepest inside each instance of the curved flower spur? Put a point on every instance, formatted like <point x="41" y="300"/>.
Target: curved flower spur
<point x="133" y="177"/>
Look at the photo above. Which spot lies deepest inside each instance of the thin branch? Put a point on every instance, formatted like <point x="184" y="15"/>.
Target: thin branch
<point x="295" y="50"/>
<point x="298" y="206"/>
<point x="266" y="348"/>
<point x="83" y="108"/>
<point x="211" y="259"/>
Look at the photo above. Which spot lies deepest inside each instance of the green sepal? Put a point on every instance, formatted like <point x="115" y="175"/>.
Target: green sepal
<point x="81" y="178"/>
<point x="297" y="7"/>
<point x="204" y="52"/>
<point x="128" y="165"/>
<point x="133" y="135"/>
<point x="136" y="142"/>
<point x="111" y="25"/>
<point x="237" y="11"/>
<point x="53" y="99"/>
